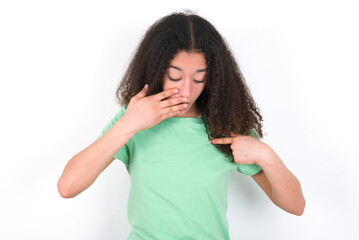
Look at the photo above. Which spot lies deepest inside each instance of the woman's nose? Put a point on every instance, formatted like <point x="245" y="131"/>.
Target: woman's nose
<point x="185" y="89"/>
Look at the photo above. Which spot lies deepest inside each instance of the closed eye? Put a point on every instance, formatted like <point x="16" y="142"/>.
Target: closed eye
<point x="172" y="79"/>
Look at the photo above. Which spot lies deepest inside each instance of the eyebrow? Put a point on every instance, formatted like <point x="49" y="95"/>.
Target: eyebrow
<point x="199" y="70"/>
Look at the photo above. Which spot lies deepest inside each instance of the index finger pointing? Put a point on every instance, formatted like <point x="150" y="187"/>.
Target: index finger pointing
<point x="227" y="140"/>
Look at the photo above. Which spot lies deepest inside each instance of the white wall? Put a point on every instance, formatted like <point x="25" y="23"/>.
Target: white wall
<point x="61" y="62"/>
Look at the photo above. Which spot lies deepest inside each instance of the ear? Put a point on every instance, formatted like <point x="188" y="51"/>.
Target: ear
<point x="232" y="134"/>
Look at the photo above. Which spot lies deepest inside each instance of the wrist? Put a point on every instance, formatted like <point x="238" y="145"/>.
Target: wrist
<point x="127" y="128"/>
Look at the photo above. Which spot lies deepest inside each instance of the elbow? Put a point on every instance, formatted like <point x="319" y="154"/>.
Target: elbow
<point x="299" y="213"/>
<point x="64" y="194"/>
<point x="301" y="209"/>
<point x="63" y="191"/>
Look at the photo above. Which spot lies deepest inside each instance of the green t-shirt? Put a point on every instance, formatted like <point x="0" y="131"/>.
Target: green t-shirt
<point x="178" y="181"/>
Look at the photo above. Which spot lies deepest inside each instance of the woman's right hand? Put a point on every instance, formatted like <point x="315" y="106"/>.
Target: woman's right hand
<point x="146" y="111"/>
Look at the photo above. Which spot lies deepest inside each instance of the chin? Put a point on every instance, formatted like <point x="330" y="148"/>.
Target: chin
<point x="181" y="113"/>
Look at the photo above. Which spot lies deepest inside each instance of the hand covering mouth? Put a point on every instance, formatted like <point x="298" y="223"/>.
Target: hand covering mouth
<point x="182" y="103"/>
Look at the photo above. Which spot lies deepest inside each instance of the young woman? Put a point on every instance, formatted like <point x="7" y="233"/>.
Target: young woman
<point x="187" y="122"/>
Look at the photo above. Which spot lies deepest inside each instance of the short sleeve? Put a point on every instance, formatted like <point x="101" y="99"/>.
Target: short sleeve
<point x="249" y="169"/>
<point x="124" y="153"/>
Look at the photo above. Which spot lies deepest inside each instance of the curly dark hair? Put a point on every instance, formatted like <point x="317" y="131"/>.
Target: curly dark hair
<point x="226" y="103"/>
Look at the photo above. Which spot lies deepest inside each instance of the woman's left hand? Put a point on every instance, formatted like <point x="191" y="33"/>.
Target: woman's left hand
<point x="245" y="149"/>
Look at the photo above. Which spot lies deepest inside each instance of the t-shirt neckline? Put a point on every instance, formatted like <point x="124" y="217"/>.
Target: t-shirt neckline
<point x="185" y="119"/>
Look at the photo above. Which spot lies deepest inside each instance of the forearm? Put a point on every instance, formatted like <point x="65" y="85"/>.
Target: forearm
<point x="83" y="168"/>
<point x="286" y="189"/>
